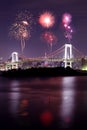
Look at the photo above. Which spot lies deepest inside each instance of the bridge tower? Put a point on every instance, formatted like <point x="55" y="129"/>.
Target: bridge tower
<point x="68" y="55"/>
<point x="14" y="60"/>
<point x="14" y="56"/>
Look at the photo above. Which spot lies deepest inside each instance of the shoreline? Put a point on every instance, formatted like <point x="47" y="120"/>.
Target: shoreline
<point x="43" y="72"/>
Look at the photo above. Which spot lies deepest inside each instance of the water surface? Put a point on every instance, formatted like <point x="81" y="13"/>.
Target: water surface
<point x="43" y="103"/>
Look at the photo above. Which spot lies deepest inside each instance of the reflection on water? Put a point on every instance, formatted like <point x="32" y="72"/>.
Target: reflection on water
<point x="44" y="103"/>
<point x="67" y="104"/>
<point x="23" y="108"/>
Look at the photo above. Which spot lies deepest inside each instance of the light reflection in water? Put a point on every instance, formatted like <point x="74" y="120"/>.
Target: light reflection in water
<point x="19" y="104"/>
<point x="15" y="85"/>
<point x="14" y="97"/>
<point x="49" y="103"/>
<point x="23" y="108"/>
<point x="23" y="104"/>
<point x="67" y="105"/>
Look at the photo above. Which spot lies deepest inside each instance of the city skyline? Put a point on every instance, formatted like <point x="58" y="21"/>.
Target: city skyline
<point x="35" y="46"/>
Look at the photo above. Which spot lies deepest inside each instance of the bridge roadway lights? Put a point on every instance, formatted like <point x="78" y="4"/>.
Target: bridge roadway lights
<point x="68" y="55"/>
<point x="14" y="65"/>
<point x="11" y="65"/>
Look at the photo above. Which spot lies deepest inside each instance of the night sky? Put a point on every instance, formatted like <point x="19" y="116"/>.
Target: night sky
<point x="35" y="46"/>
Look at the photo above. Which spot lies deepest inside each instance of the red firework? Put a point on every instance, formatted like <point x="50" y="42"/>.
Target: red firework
<point x="49" y="37"/>
<point x="46" y="20"/>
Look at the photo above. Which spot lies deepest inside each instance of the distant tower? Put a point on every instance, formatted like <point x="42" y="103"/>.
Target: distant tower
<point x="68" y="55"/>
<point x="14" y="57"/>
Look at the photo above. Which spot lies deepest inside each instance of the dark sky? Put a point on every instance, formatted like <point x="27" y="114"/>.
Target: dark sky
<point x="35" y="46"/>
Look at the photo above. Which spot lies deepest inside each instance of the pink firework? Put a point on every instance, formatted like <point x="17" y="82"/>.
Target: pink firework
<point x="46" y="20"/>
<point x="66" y="19"/>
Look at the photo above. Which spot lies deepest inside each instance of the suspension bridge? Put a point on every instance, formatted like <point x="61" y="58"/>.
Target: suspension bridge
<point x="66" y="56"/>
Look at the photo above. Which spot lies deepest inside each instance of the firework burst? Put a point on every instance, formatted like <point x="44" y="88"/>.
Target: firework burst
<point x="49" y="38"/>
<point x="66" y="20"/>
<point x="25" y="17"/>
<point x="21" y="28"/>
<point x="46" y="20"/>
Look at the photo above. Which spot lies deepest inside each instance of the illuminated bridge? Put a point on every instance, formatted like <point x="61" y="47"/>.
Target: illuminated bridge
<point x="67" y="55"/>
